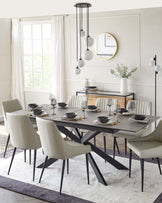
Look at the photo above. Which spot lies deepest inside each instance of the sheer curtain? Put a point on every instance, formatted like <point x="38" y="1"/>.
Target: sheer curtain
<point x="17" y="90"/>
<point x="58" y="87"/>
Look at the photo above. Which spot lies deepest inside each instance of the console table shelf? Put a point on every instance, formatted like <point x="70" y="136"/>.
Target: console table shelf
<point x="93" y="95"/>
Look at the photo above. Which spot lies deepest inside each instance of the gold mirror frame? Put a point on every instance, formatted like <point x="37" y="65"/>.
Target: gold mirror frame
<point x="106" y="41"/>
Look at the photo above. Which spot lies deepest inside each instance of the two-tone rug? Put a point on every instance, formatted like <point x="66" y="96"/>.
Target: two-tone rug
<point x="120" y="188"/>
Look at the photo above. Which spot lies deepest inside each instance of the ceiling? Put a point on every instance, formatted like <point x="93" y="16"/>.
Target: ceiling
<point x="31" y="8"/>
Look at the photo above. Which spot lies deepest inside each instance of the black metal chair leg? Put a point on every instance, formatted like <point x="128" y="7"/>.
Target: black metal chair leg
<point x="94" y="139"/>
<point x="24" y="155"/>
<point x="117" y="146"/>
<point x="104" y="139"/>
<point x="67" y="166"/>
<point x="114" y="147"/>
<point x="62" y="175"/>
<point x="130" y="162"/>
<point x="125" y="146"/>
<point x="11" y="160"/>
<point x="142" y="174"/>
<point x="159" y="166"/>
<point x="87" y="166"/>
<point x="34" y="164"/>
<point x="44" y="165"/>
<point x="29" y="156"/>
<point x="8" y="139"/>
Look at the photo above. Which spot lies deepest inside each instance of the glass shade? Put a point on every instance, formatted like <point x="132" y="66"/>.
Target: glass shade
<point x="77" y="70"/>
<point x="81" y="63"/>
<point x="88" y="55"/>
<point x="82" y="33"/>
<point x="90" y="41"/>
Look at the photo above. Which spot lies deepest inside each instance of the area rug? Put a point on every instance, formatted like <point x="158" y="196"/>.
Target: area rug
<point x="120" y="188"/>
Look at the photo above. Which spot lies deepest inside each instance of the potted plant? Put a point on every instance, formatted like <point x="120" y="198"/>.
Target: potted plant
<point x="122" y="72"/>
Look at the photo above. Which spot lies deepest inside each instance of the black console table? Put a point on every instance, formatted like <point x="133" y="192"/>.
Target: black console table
<point x="94" y="94"/>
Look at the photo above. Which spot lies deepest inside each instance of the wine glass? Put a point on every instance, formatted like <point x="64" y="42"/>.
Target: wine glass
<point x="117" y="110"/>
<point x="132" y="106"/>
<point x="109" y="103"/>
<point x="83" y="107"/>
<point x="53" y="102"/>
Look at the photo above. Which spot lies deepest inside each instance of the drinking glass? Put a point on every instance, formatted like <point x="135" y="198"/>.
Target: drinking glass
<point x="83" y="107"/>
<point x="132" y="106"/>
<point x="53" y="103"/>
<point x="117" y="110"/>
<point x="109" y="103"/>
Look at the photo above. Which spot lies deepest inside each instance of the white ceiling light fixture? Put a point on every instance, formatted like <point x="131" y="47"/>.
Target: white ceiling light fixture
<point x="80" y="33"/>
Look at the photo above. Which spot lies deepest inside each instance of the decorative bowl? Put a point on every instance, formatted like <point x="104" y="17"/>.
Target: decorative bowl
<point x="37" y="112"/>
<point x="92" y="107"/>
<point x="71" y="115"/>
<point x="139" y="117"/>
<point x="62" y="104"/>
<point x="32" y="106"/>
<point x="103" y="119"/>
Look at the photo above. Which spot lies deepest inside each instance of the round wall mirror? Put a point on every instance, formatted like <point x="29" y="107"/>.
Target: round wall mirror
<point x="106" y="46"/>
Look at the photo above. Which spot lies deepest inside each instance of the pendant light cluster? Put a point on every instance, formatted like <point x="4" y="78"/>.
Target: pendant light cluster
<point x="80" y="34"/>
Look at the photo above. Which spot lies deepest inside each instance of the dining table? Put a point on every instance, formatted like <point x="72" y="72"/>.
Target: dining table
<point x="73" y="128"/>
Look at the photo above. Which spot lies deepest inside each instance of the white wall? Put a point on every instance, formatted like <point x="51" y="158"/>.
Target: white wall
<point x="139" y="36"/>
<point x="5" y="60"/>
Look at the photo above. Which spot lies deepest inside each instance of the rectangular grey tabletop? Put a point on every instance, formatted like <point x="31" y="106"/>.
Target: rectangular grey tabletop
<point x="90" y="123"/>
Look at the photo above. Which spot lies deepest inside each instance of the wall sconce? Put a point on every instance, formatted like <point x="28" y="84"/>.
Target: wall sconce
<point x="153" y="64"/>
<point x="80" y="33"/>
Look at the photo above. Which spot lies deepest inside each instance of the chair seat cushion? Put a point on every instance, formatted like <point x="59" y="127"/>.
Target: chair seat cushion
<point x="147" y="149"/>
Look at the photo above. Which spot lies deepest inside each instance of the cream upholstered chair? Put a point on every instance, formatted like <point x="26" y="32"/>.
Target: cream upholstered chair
<point x="54" y="146"/>
<point x="75" y="101"/>
<point x="9" y="106"/>
<point x="102" y="104"/>
<point x="23" y="136"/>
<point x="142" y="107"/>
<point x="149" y="146"/>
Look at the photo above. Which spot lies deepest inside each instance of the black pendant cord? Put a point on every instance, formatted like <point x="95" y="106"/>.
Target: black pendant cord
<point x="155" y="59"/>
<point x="80" y="14"/>
<point x="76" y="34"/>
<point x="87" y="25"/>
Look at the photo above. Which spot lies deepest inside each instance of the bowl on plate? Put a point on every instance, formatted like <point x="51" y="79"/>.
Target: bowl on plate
<point x="103" y="119"/>
<point x="139" y="117"/>
<point x="71" y="115"/>
<point x="62" y="104"/>
<point x="37" y="112"/>
<point x="92" y="107"/>
<point x="32" y="106"/>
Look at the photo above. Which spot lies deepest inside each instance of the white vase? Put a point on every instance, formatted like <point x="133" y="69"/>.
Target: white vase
<point x="86" y="83"/>
<point x="123" y="86"/>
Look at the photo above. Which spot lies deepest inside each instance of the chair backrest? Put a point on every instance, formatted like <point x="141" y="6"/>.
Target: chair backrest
<point x="10" y="106"/>
<point x="102" y="103"/>
<point x="52" y="142"/>
<point x="22" y="132"/>
<point x="75" y="101"/>
<point x="142" y="107"/>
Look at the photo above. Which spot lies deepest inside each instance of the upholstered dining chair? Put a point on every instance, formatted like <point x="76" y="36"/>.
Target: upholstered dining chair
<point x="9" y="106"/>
<point x="23" y="136"/>
<point x="142" y="107"/>
<point x="149" y="146"/>
<point x="75" y="101"/>
<point x="102" y="104"/>
<point x="56" y="147"/>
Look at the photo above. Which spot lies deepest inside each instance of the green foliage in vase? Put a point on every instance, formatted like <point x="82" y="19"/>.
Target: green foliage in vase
<point x="122" y="71"/>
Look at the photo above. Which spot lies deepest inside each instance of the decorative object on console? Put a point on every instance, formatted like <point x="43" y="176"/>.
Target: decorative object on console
<point x="153" y="63"/>
<point x="121" y="71"/>
<point x="81" y="33"/>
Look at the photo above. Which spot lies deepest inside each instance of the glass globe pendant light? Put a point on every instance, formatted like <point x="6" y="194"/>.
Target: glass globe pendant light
<point x="80" y="33"/>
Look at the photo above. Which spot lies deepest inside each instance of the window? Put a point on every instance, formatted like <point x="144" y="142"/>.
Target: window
<point x="37" y="43"/>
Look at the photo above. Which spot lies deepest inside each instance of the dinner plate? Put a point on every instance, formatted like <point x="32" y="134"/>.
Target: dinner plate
<point x="94" y="110"/>
<point x="99" y="123"/>
<point x="146" y="120"/>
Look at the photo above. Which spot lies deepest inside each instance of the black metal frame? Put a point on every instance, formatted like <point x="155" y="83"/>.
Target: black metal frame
<point x="107" y="93"/>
